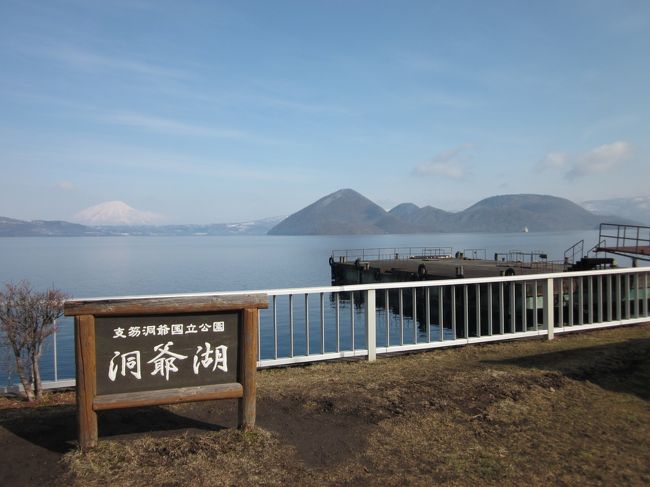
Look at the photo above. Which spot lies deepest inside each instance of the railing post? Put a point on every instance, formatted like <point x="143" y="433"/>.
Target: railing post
<point x="371" y="325"/>
<point x="549" y="319"/>
<point x="56" y="365"/>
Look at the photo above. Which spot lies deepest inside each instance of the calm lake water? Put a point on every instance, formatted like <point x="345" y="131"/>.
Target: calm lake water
<point x="118" y="266"/>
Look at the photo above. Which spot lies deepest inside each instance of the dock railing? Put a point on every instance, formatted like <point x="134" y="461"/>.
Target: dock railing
<point x="334" y="322"/>
<point x="574" y="253"/>
<point x="628" y="240"/>
<point x="394" y="253"/>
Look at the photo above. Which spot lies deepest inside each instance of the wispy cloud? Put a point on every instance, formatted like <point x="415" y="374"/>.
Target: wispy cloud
<point x="448" y="170"/>
<point x="602" y="159"/>
<point x="141" y="121"/>
<point x="419" y="61"/>
<point x="99" y="159"/>
<point x="255" y="100"/>
<point x="300" y="106"/>
<point x="88" y="60"/>
<point x="552" y="161"/>
<point x="64" y="185"/>
<point x="599" y="160"/>
<point x="170" y="126"/>
<point x="447" y="100"/>
<point x="447" y="163"/>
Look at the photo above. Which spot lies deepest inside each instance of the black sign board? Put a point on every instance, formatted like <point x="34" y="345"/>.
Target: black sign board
<point x="147" y="353"/>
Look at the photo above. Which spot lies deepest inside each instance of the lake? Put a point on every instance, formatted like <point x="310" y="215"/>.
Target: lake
<point x="118" y="266"/>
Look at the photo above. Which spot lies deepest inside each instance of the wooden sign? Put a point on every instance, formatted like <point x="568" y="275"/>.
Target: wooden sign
<point x="148" y="353"/>
<point x="133" y="352"/>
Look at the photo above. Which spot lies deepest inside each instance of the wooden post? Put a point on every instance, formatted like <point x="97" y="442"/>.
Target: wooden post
<point x="86" y="368"/>
<point x="248" y="368"/>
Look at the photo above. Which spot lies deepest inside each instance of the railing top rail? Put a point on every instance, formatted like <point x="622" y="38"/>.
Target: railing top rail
<point x="624" y="233"/>
<point x="618" y="225"/>
<point x="388" y="253"/>
<point x="390" y="285"/>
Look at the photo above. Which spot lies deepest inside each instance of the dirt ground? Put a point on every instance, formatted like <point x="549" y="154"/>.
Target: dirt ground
<point x="573" y="411"/>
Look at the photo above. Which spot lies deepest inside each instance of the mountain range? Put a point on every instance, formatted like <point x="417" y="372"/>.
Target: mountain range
<point x="10" y="227"/>
<point x="348" y="212"/>
<point x="19" y="228"/>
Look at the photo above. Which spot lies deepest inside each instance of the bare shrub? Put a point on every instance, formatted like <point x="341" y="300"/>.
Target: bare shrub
<point x="27" y="318"/>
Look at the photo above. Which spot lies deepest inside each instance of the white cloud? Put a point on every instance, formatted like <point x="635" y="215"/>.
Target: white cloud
<point x="553" y="161"/>
<point x="602" y="159"/>
<point x="64" y="185"/>
<point x="440" y="169"/>
<point x="446" y="163"/>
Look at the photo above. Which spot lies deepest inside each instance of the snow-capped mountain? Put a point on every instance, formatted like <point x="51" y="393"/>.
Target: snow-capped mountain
<point x="115" y="213"/>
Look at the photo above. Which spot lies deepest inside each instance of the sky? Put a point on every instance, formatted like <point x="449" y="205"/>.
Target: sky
<point x="211" y="112"/>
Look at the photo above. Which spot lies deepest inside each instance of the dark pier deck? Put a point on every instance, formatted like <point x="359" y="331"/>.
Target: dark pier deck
<point x="365" y="266"/>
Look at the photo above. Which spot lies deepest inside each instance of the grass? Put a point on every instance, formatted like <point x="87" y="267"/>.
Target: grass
<point x="227" y="457"/>
<point x="573" y="411"/>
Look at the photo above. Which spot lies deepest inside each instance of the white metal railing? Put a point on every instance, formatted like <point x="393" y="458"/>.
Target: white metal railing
<point x="323" y="323"/>
<point x="370" y="319"/>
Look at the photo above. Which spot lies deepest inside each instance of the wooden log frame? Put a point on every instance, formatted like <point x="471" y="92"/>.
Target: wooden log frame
<point x="88" y="402"/>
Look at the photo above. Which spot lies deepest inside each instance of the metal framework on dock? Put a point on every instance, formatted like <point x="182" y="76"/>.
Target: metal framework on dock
<point x="631" y="241"/>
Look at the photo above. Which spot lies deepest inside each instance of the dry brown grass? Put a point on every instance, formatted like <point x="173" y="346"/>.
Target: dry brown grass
<point x="226" y="457"/>
<point x="574" y="411"/>
<point x="48" y="399"/>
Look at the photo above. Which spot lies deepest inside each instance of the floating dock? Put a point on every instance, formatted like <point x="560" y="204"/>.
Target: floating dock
<point x="369" y="266"/>
<point x="366" y="266"/>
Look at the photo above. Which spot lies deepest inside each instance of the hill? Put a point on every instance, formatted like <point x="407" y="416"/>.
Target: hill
<point x="342" y="212"/>
<point x="41" y="228"/>
<point x="426" y="219"/>
<point x="348" y="212"/>
<point x="511" y="213"/>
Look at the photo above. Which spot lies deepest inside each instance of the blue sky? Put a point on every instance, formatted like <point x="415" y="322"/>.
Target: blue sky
<point x="228" y="111"/>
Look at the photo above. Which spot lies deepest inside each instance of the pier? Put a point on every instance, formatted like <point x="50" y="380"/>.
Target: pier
<point x="366" y="266"/>
<point x="385" y="265"/>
